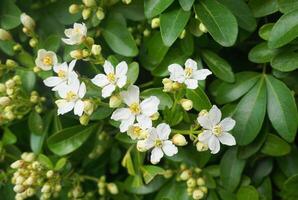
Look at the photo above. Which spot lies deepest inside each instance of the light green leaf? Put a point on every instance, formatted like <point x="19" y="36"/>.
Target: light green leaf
<point x="231" y="169"/>
<point x="186" y="4"/>
<point x="35" y="123"/>
<point x="165" y="99"/>
<point x="69" y="139"/>
<point x="281" y="108"/>
<point x="199" y="98"/>
<point x="250" y="114"/>
<point x="172" y="24"/>
<point x="133" y="72"/>
<point x="263" y="8"/>
<point x="265" y="30"/>
<point x="285" y="30"/>
<point x="155" y="7"/>
<point x="286" y="6"/>
<point x="224" y="30"/>
<point x="150" y="171"/>
<point x="45" y="161"/>
<point x="101" y="113"/>
<point x="8" y="137"/>
<point x="28" y="79"/>
<point x="275" y="146"/>
<point x="128" y="163"/>
<point x="220" y="67"/>
<point x="261" y="53"/>
<point x="7" y="47"/>
<point x="247" y="193"/>
<point x="285" y="61"/>
<point x="60" y="164"/>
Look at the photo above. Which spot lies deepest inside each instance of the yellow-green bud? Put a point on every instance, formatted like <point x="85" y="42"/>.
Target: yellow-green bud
<point x="27" y="21"/>
<point x="168" y="84"/>
<point x="186" y="174"/>
<point x="146" y="32"/>
<point x="203" y="28"/>
<point x="17" y="164"/>
<point x="2" y="88"/>
<point x="176" y="86"/>
<point x="5" y="35"/>
<point x="197" y="194"/>
<point x="155" y="116"/>
<point x="155" y="23"/>
<point x="86" y="53"/>
<point x="17" y="47"/>
<point x="112" y="188"/>
<point x="186" y="104"/>
<point x="30" y="192"/>
<point x="96" y="49"/>
<point x="50" y="173"/>
<point x="179" y="140"/>
<point x="200" y="181"/>
<point x="84" y="119"/>
<point x="10" y="84"/>
<point x="20" y="180"/>
<point x="10" y="63"/>
<point x="46" y="188"/>
<point x="115" y="101"/>
<point x="89" y="41"/>
<point x="74" y="8"/>
<point x="88" y="107"/>
<point x="29" y="181"/>
<point x="36" y="69"/>
<point x="4" y="101"/>
<point x="204" y="189"/>
<point x="201" y="146"/>
<point x="33" y="42"/>
<point x="28" y="157"/>
<point x="191" y="182"/>
<point x="86" y="13"/>
<point x="17" y="79"/>
<point x="168" y="173"/>
<point x="100" y="14"/>
<point x="203" y="113"/>
<point x="126" y="1"/>
<point x="76" y="54"/>
<point x="19" y="188"/>
<point x="58" y="188"/>
<point x="89" y="3"/>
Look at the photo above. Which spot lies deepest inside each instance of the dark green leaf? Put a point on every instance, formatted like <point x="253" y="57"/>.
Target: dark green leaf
<point x="173" y="191"/>
<point x="286" y="6"/>
<point x="52" y="43"/>
<point x="265" y="189"/>
<point x="263" y="8"/>
<point x="247" y="193"/>
<point x="155" y="7"/>
<point x="285" y="61"/>
<point x="261" y="53"/>
<point x="28" y="79"/>
<point x="101" y="113"/>
<point x="199" y="98"/>
<point x="165" y="99"/>
<point x="9" y="14"/>
<point x="186" y="4"/>
<point x="275" y="146"/>
<point x="265" y="30"/>
<point x="8" y="137"/>
<point x="35" y="123"/>
<point x="150" y="171"/>
<point x="133" y="72"/>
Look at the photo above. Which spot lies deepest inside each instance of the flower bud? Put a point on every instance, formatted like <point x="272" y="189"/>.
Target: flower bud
<point x="28" y="157"/>
<point x="86" y="13"/>
<point x="179" y="140"/>
<point x="36" y="69"/>
<point x="27" y="21"/>
<point x="86" y="53"/>
<point x="58" y="188"/>
<point x="76" y="54"/>
<point x="74" y="8"/>
<point x="5" y="35"/>
<point x="155" y="22"/>
<point x="46" y="188"/>
<point x="29" y="181"/>
<point x="203" y="113"/>
<point x="186" y="174"/>
<point x="89" y="3"/>
<point x="168" y="173"/>
<point x="50" y="174"/>
<point x="146" y="32"/>
<point x="201" y="146"/>
<point x="115" y="101"/>
<point x="96" y="49"/>
<point x="176" y="86"/>
<point x="112" y="188"/>
<point x="17" y="47"/>
<point x="17" y="79"/>
<point x="200" y="181"/>
<point x="33" y="42"/>
<point x="191" y="182"/>
<point x="84" y="119"/>
<point x="30" y="192"/>
<point x="203" y="28"/>
<point x="100" y="14"/>
<point x="204" y="189"/>
<point x="141" y="146"/>
<point x="186" y="104"/>
<point x="2" y="88"/>
<point x="167" y="85"/>
<point x="4" y="101"/>
<point x="88" y="107"/>
<point x="19" y="180"/>
<point x="10" y="84"/>
<point x="10" y="63"/>
<point x="197" y="194"/>
<point x="126" y="1"/>
<point x="18" y="188"/>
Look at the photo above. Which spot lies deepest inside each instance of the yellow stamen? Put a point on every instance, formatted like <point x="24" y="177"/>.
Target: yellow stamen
<point x="137" y="130"/>
<point x="111" y="77"/>
<point x="158" y="143"/>
<point x="217" y="130"/>
<point x="71" y="96"/>
<point x="47" y="60"/>
<point x="135" y="108"/>
<point x="61" y="73"/>
<point x="188" y="71"/>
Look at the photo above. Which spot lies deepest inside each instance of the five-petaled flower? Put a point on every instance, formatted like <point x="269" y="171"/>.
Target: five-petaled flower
<point x="136" y="110"/>
<point x="158" y="139"/>
<point x="46" y="59"/>
<point x="65" y="76"/>
<point x="71" y="95"/>
<point x="138" y="131"/>
<point x="216" y="131"/>
<point x="190" y="75"/>
<point x="113" y="78"/>
<point x="76" y="35"/>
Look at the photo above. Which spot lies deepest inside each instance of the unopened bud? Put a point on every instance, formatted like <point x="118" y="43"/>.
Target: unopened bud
<point x="33" y="42"/>
<point x="36" y="69"/>
<point x="5" y="35"/>
<point x="89" y="3"/>
<point x="200" y="181"/>
<point x="4" y="101"/>
<point x="76" y="54"/>
<point x="168" y="85"/>
<point x="155" y="116"/>
<point x="100" y="14"/>
<point x="191" y="182"/>
<point x="50" y="173"/>
<point x="86" y="13"/>
<point x="10" y="63"/>
<point x="17" y="164"/>
<point x="201" y="146"/>
<point x="186" y="104"/>
<point x="2" y="88"/>
<point x="28" y="157"/>
<point x="203" y="113"/>
<point x="86" y="53"/>
<point x="18" y="188"/>
<point x="19" y="180"/>
<point x="203" y="28"/>
<point x="179" y="140"/>
<point x="186" y="174"/>
<point x="204" y="189"/>
<point x="146" y="32"/>
<point x="155" y="23"/>
<point x="30" y="192"/>
<point x="141" y="146"/>
<point x="96" y="49"/>
<point x="10" y="84"/>
<point x="112" y="188"/>
<point x="168" y="173"/>
<point x="29" y="181"/>
<point x="126" y="1"/>
<point x="84" y="119"/>
<point x="89" y="41"/>
<point x="17" y="47"/>
<point x="197" y="194"/>
<point x="46" y="188"/>
<point x="176" y="86"/>
<point x="115" y="101"/>
<point x="74" y="8"/>
<point x="27" y="21"/>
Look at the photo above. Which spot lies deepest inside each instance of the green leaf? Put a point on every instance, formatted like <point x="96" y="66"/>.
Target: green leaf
<point x="250" y="114"/>
<point x="150" y="171"/>
<point x="286" y="6"/>
<point x="155" y="7"/>
<point x="224" y="30"/>
<point x="281" y="108"/>
<point x="119" y="38"/>
<point x="285" y="61"/>
<point x="7" y="47"/>
<point x="228" y="92"/>
<point x="199" y="98"/>
<point x="247" y="193"/>
<point x="285" y="30"/>
<point x="265" y="189"/>
<point x="289" y="163"/>
<point x="231" y="169"/>
<point x="8" y="137"/>
<point x="173" y="191"/>
<point x="101" y="113"/>
<point x="133" y="72"/>
<point x="60" y="164"/>
<point x="218" y="66"/>
<point x="69" y="139"/>
<point x="242" y="13"/>
<point x="35" y="123"/>
<point x="265" y="30"/>
<point x="128" y="163"/>
<point x="52" y="43"/>
<point x="172" y="24"/>
<point x="261" y="53"/>
<point x="28" y="79"/>
<point x="165" y="99"/>
<point x="275" y="146"/>
<point x="263" y="8"/>
<point x="289" y="189"/>
<point x="45" y="161"/>
<point x="25" y="59"/>
<point x="9" y="15"/>
<point x="186" y="4"/>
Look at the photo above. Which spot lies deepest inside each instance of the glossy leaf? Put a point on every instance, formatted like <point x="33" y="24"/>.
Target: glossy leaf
<point x="265" y="30"/>
<point x="9" y="15"/>
<point x="199" y="98"/>
<point x="186" y="4"/>
<point x="155" y="7"/>
<point x="133" y="72"/>
<point x="35" y="123"/>
<point x="150" y="171"/>
<point x="263" y="8"/>
<point x="164" y="98"/>
<point x="261" y="53"/>
<point x="275" y="146"/>
<point x="247" y="193"/>
<point x="286" y="6"/>
<point x="285" y="61"/>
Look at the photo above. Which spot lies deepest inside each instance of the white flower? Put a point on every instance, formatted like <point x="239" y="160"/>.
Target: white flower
<point x="136" y="110"/>
<point x="71" y="95"/>
<point x="190" y="75"/>
<point x="216" y="131"/>
<point x="65" y="75"/>
<point x="112" y="79"/>
<point x="27" y="21"/>
<point x="46" y="59"/>
<point x="76" y="35"/>
<point x="138" y="131"/>
<point x="158" y="140"/>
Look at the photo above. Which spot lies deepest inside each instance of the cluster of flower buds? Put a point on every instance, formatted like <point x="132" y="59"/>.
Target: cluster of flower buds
<point x="100" y="146"/>
<point x="31" y="175"/>
<point x="138" y="31"/>
<point x="200" y="145"/>
<point x="5" y="35"/>
<point x="14" y="102"/>
<point x="104" y="187"/>
<point x="87" y="8"/>
<point x="7" y="66"/>
<point x="29" y="29"/>
<point x="89" y="107"/>
<point x="76" y="193"/>
<point x="170" y="86"/>
<point x="194" y="180"/>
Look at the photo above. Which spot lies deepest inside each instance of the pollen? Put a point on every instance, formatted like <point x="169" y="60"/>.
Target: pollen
<point x="61" y="73"/>
<point x="111" y="77"/>
<point x="47" y="60"/>
<point x="70" y="96"/>
<point x="188" y="71"/>
<point x="158" y="143"/>
<point x="217" y="130"/>
<point x="137" y="130"/>
<point x="135" y="108"/>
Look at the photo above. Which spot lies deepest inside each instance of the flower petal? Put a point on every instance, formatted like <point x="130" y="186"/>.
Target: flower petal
<point x="204" y="136"/>
<point x="107" y="90"/>
<point x="227" y="124"/>
<point x="149" y="106"/>
<point x="205" y="122"/>
<point x="79" y="108"/>
<point x="82" y="90"/>
<point x="191" y="64"/>
<point x="156" y="155"/>
<point x="71" y="65"/>
<point x="214" y="115"/>
<point x="68" y="41"/>
<point x="121" y="114"/>
<point x="132" y="95"/>
<point x="100" y="80"/>
<point x="62" y="67"/>
<point x="163" y="131"/>
<point x="121" y="81"/>
<point x="108" y="67"/>
<point x="201" y="74"/>
<point x="191" y="83"/>
<point x="214" y="144"/>
<point x="121" y="69"/>
<point x="169" y="148"/>
<point x="52" y="81"/>
<point x="144" y="121"/>
<point x="126" y="123"/>
<point x="176" y="72"/>
<point x="227" y="139"/>
<point x="64" y="106"/>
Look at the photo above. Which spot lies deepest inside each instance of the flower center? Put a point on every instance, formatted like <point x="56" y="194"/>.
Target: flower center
<point x="61" y="74"/>
<point x="71" y="96"/>
<point x="217" y="130"/>
<point x="158" y="143"/>
<point x="137" y="130"/>
<point x="111" y="77"/>
<point x="47" y="60"/>
<point x="188" y="71"/>
<point x="135" y="108"/>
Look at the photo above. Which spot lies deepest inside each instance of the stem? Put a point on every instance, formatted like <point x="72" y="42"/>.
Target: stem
<point x="146" y="84"/>
<point x="185" y="132"/>
<point x="90" y="178"/>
